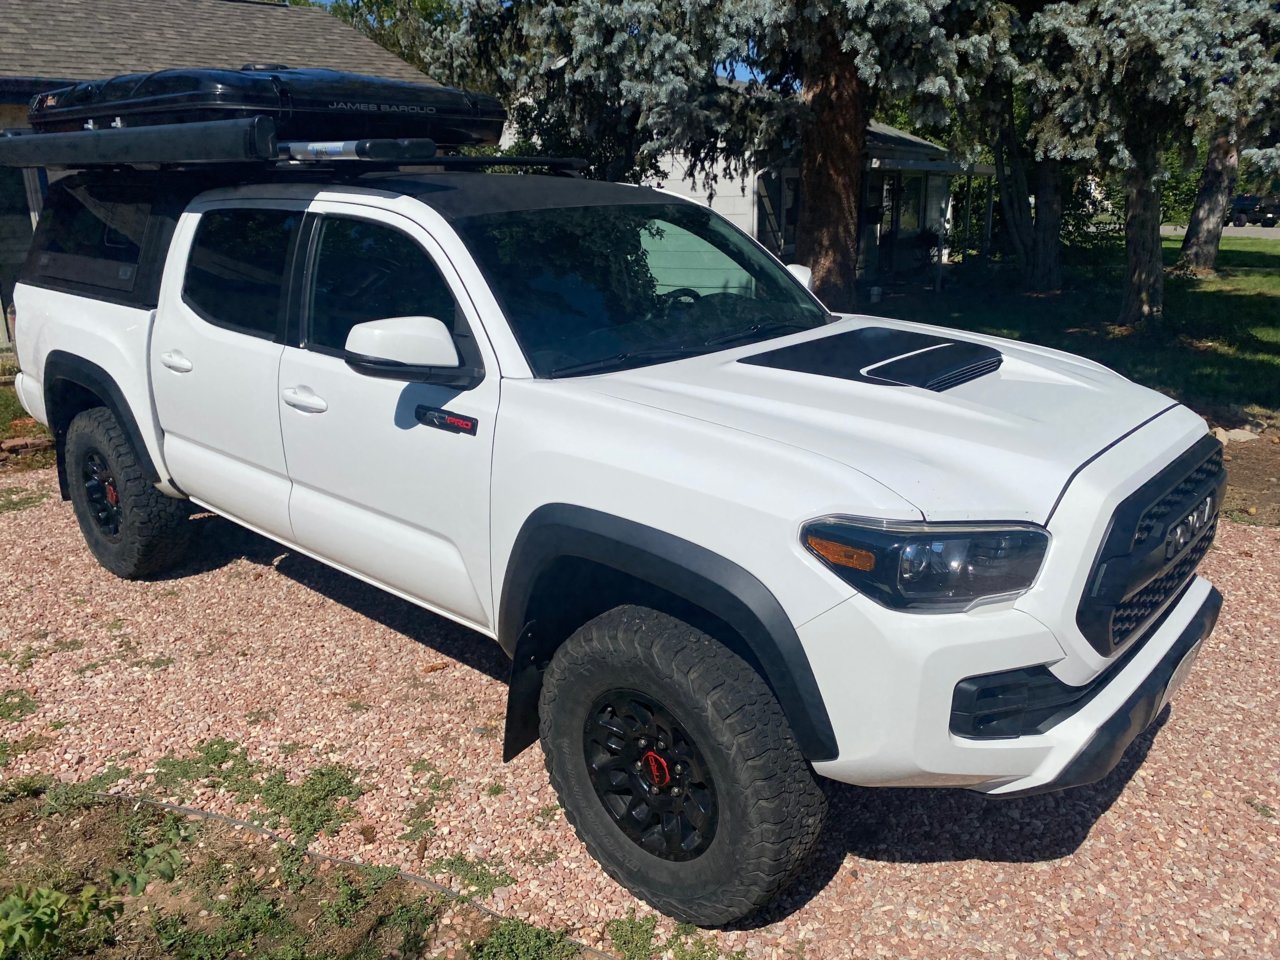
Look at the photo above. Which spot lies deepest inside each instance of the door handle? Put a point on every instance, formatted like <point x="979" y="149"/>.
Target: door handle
<point x="301" y="398"/>
<point x="175" y="361"/>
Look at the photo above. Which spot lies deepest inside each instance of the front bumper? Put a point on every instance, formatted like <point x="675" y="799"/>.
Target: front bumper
<point x="891" y="712"/>
<point x="1100" y="755"/>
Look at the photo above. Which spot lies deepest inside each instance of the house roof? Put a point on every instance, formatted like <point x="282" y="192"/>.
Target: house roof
<point x="43" y="43"/>
<point x="886" y="141"/>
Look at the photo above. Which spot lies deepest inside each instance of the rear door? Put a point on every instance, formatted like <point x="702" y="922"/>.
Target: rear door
<point x="215" y="358"/>
<point x="384" y="484"/>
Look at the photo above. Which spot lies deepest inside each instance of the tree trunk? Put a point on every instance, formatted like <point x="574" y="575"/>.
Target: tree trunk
<point x="1035" y="235"/>
<point x="1045" y="272"/>
<point x="1213" y="200"/>
<point x="1011" y="179"/>
<point x="1143" y="303"/>
<point x="833" y="151"/>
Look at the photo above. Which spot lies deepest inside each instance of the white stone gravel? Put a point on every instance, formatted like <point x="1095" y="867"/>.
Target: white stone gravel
<point x="303" y="665"/>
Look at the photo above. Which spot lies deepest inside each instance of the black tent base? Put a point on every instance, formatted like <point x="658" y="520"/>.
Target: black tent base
<point x="249" y="141"/>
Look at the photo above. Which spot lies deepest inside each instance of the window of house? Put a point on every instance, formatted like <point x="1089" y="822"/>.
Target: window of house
<point x="367" y="271"/>
<point x="236" y="271"/>
<point x="912" y="198"/>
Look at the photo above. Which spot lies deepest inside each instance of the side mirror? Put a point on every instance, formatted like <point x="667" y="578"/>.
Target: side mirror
<point x="801" y="273"/>
<point x="417" y="349"/>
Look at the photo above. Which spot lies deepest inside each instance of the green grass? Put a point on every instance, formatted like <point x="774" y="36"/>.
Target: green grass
<point x="517" y="940"/>
<point x="1221" y="345"/>
<point x="478" y="878"/>
<point x="319" y="803"/>
<point x="16" y="704"/>
<point x="13" y="499"/>
<point x="10" y="410"/>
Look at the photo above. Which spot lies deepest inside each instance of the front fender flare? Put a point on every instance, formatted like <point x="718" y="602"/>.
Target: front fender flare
<point x="678" y="567"/>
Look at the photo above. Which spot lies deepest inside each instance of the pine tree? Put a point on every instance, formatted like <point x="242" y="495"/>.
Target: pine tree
<point x="1123" y="82"/>
<point x="727" y="83"/>
<point x="1244" y="112"/>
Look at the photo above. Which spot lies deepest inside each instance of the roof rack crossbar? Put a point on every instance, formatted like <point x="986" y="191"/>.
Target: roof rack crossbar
<point x="381" y="150"/>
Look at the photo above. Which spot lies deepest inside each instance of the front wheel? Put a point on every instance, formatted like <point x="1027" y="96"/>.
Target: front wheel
<point x="131" y="528"/>
<point x="676" y="766"/>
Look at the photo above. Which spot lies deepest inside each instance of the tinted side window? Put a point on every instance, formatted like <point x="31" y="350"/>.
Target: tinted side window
<point x="93" y="233"/>
<point x="367" y="271"/>
<point x="236" y="271"/>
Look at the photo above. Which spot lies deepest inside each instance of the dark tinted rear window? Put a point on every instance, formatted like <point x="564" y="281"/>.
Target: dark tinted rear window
<point x="93" y="234"/>
<point x="236" y="271"/>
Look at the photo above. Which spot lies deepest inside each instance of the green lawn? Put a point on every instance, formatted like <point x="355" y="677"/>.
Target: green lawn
<point x="1222" y="342"/>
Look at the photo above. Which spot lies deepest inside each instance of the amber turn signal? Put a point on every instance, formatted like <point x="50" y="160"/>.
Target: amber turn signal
<point x="841" y="554"/>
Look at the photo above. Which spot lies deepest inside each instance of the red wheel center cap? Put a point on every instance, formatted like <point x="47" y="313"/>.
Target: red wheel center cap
<point x="659" y="775"/>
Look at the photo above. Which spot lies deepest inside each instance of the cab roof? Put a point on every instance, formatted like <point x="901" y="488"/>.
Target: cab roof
<point x="456" y="195"/>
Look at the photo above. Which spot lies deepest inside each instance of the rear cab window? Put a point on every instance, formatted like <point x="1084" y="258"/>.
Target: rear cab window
<point x="92" y="235"/>
<point x="106" y="235"/>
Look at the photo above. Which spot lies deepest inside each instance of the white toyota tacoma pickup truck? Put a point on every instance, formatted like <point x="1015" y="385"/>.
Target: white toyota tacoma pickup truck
<point x="733" y="543"/>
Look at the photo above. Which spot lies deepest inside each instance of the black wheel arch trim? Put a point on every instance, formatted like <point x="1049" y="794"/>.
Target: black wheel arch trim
<point x="681" y="568"/>
<point x="63" y="367"/>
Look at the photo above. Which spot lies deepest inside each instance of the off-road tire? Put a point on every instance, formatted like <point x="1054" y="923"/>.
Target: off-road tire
<point x="770" y="809"/>
<point x="153" y="530"/>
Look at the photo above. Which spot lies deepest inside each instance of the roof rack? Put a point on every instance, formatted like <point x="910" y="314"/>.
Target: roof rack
<point x="248" y="140"/>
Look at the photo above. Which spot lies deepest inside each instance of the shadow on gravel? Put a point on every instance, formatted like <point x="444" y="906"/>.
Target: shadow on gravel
<point x="216" y="543"/>
<point x="871" y="825"/>
<point x="939" y="826"/>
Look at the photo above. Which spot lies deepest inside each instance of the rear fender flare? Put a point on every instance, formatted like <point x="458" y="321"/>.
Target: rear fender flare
<point x="63" y="368"/>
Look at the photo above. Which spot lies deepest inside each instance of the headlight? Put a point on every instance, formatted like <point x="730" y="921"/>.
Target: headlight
<point x="929" y="567"/>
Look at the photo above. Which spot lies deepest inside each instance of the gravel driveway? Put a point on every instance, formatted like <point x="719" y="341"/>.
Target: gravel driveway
<point x="304" y="666"/>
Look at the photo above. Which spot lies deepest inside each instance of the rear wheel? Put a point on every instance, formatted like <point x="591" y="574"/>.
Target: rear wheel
<point x="676" y="766"/>
<point x="131" y="528"/>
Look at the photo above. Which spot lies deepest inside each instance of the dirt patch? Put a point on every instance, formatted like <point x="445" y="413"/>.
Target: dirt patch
<point x="168" y="885"/>
<point x="1253" y="480"/>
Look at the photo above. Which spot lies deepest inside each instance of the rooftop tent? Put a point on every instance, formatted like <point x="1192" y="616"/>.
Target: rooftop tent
<point x="309" y="104"/>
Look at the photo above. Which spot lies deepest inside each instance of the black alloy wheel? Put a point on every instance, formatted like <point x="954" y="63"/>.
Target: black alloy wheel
<point x="650" y="775"/>
<point x="132" y="528"/>
<point x="103" y="494"/>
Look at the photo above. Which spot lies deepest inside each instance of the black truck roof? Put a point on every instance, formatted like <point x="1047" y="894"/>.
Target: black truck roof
<point x="456" y="195"/>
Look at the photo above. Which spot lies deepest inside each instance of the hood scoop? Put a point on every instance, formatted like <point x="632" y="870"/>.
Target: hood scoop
<point x="881" y="355"/>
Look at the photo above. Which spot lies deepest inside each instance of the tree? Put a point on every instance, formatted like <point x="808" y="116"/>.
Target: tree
<point x="1213" y="202"/>
<point x="1245" y="110"/>
<point x="1122" y="81"/>
<point x="1000" y="118"/>
<point x="726" y="83"/>
<point x="397" y="25"/>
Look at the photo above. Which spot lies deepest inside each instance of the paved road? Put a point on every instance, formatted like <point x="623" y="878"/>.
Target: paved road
<point x="1266" y="233"/>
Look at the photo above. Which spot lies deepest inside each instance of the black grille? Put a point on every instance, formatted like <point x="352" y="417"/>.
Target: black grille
<point x="1131" y="615"/>
<point x="1177" y="498"/>
<point x="1148" y="556"/>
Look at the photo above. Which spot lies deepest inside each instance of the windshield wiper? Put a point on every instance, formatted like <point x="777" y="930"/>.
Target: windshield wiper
<point x="617" y="360"/>
<point x="755" y="330"/>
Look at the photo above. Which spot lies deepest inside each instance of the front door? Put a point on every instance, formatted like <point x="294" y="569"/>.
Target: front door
<point x="375" y="489"/>
<point x="215" y="359"/>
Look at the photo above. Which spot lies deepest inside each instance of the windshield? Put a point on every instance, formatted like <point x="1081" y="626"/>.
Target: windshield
<point x="598" y="288"/>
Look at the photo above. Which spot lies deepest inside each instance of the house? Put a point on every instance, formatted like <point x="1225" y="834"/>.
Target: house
<point x="905" y="207"/>
<point x="46" y="45"/>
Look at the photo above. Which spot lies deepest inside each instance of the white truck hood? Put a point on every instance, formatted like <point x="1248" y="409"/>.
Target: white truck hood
<point x="1000" y="446"/>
